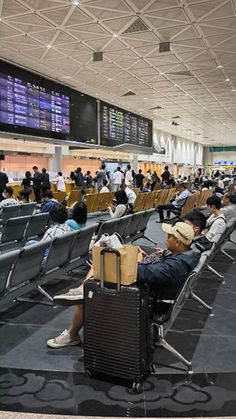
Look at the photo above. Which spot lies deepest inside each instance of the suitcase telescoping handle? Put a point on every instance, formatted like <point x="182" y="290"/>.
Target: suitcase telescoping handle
<point x="117" y="253"/>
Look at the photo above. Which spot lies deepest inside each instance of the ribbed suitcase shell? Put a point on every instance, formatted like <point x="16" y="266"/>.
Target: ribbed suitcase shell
<point x="116" y="331"/>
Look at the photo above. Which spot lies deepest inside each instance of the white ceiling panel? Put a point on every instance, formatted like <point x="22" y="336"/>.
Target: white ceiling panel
<point x="196" y="79"/>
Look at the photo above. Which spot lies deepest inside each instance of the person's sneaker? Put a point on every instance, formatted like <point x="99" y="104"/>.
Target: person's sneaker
<point x="64" y="339"/>
<point x="73" y="296"/>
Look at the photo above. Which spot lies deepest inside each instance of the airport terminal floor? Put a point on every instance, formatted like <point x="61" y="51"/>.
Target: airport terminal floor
<point x="38" y="379"/>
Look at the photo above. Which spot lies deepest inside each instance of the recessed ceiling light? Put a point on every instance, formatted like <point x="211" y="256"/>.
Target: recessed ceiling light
<point x="227" y="80"/>
<point x="145" y="98"/>
<point x="109" y="79"/>
<point x="96" y="94"/>
<point x="219" y="66"/>
<point x="49" y="46"/>
<point x="233" y="90"/>
<point x="75" y="2"/>
<point x="115" y="35"/>
<point x="161" y="74"/>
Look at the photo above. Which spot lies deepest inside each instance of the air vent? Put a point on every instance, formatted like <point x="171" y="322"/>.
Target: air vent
<point x="155" y="107"/>
<point x="98" y="56"/>
<point x="137" y="26"/>
<point x="129" y="93"/>
<point x="181" y="73"/>
<point x="164" y="47"/>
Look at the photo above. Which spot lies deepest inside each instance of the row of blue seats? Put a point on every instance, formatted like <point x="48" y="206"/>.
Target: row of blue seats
<point x="13" y="211"/>
<point x="27" y="268"/>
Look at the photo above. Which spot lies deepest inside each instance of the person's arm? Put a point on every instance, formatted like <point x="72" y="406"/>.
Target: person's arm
<point x="216" y="230"/>
<point x="154" y="273"/>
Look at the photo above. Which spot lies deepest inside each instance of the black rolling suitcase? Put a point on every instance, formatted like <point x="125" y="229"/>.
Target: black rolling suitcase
<point x="116" y="329"/>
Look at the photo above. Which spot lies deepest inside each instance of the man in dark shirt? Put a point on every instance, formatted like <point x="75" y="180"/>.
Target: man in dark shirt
<point x="139" y="179"/>
<point x="165" y="176"/>
<point x="79" y="179"/>
<point x="37" y="182"/>
<point x="3" y="181"/>
<point x="46" y="185"/>
<point x="165" y="278"/>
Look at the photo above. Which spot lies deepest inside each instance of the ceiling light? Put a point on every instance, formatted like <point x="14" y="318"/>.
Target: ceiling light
<point x="109" y="79"/>
<point x="67" y="77"/>
<point x="145" y="98"/>
<point x="219" y="66"/>
<point x="233" y="90"/>
<point x="115" y="35"/>
<point x="82" y="94"/>
<point x="49" y="46"/>
<point x="227" y="80"/>
<point x="75" y="2"/>
<point x="96" y="94"/>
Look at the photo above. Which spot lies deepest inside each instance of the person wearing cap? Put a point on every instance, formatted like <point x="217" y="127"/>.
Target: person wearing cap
<point x="176" y="203"/>
<point x="165" y="277"/>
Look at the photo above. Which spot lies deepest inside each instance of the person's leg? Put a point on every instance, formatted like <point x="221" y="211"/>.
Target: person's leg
<point x="76" y="321"/>
<point x="160" y="209"/>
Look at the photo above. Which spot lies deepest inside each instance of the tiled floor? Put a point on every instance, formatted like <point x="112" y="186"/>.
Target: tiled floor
<point x="36" y="379"/>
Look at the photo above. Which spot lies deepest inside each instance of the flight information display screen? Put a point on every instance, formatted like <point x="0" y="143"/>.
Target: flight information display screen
<point x="27" y="104"/>
<point x="31" y="104"/>
<point x="121" y="127"/>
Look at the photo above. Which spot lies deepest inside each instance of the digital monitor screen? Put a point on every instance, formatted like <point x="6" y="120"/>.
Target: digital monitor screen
<point x="33" y="105"/>
<point x="29" y="105"/>
<point x="122" y="127"/>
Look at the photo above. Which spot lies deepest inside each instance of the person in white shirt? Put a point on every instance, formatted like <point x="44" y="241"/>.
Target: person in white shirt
<point x="118" y="207"/>
<point x="128" y="176"/>
<point x="216" y="223"/>
<point x="131" y="195"/>
<point x="117" y="179"/>
<point x="229" y="208"/>
<point x="58" y="216"/>
<point x="8" y="198"/>
<point x="104" y="188"/>
<point x="60" y="182"/>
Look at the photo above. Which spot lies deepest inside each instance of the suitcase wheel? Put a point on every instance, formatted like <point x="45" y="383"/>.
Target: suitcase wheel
<point x="89" y="373"/>
<point x="137" y="387"/>
<point x="153" y="368"/>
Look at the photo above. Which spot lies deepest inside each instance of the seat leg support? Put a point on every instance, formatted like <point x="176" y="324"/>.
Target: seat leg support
<point x="200" y="301"/>
<point x="173" y="351"/>
<point x="214" y="271"/>
<point x="227" y="254"/>
<point x="42" y="291"/>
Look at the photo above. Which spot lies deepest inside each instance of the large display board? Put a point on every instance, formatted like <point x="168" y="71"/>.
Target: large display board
<point x="29" y="105"/>
<point x="33" y="105"/>
<point x="121" y="127"/>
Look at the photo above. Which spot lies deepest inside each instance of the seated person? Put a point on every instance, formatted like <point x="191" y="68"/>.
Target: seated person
<point x="23" y="197"/>
<point x="200" y="243"/>
<point x="176" y="203"/>
<point x="58" y="216"/>
<point x="229" y="208"/>
<point x="48" y="201"/>
<point x="165" y="278"/>
<point x="216" y="223"/>
<point x="131" y="195"/>
<point x="8" y="198"/>
<point x="104" y="187"/>
<point x="78" y="216"/>
<point x="118" y="207"/>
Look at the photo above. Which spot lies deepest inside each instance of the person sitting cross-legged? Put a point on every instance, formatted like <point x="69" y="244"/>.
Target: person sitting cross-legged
<point x="165" y="278"/>
<point x="176" y="203"/>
